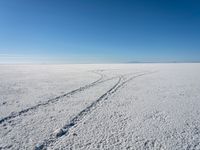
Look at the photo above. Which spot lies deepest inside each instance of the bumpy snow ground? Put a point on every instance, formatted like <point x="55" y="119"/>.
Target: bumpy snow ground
<point x="116" y="106"/>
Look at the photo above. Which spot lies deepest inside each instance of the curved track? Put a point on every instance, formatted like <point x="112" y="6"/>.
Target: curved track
<point x="75" y="120"/>
<point x="53" y="100"/>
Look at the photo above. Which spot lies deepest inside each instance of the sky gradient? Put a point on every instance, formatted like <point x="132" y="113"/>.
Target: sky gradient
<point x="99" y="31"/>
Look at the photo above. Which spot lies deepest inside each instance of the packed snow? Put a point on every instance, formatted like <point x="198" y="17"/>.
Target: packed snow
<point x="100" y="106"/>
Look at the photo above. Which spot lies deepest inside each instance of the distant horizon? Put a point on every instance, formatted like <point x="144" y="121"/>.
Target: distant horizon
<point x="49" y="63"/>
<point x="101" y="31"/>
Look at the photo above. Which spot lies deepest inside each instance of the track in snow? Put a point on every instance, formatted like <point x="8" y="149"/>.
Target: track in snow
<point x="74" y="121"/>
<point x="53" y="100"/>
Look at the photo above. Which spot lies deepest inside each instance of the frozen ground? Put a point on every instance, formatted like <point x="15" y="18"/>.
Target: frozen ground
<point x="118" y="106"/>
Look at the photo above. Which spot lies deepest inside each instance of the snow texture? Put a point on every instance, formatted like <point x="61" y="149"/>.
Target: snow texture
<point x="100" y="106"/>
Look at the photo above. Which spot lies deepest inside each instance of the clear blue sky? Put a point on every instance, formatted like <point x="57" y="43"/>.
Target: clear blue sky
<point x="99" y="31"/>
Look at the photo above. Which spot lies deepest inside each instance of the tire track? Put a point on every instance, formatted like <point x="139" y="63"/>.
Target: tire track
<point x="75" y="120"/>
<point x="53" y="100"/>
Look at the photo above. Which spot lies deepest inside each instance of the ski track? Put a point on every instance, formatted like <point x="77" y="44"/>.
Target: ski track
<point x="75" y="120"/>
<point x="53" y="100"/>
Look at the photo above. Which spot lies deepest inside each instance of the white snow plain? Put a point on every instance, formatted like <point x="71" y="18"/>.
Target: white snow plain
<point x="100" y="106"/>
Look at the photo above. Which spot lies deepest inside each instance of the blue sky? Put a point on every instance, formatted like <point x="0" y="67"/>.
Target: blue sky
<point x="99" y="31"/>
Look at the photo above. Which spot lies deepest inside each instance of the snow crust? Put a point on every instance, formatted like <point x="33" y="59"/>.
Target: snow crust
<point x="100" y="106"/>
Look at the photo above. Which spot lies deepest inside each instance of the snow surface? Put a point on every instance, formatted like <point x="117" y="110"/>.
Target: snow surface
<point x="100" y="106"/>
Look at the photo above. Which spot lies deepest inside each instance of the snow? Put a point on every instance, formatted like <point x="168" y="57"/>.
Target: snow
<point x="100" y="106"/>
